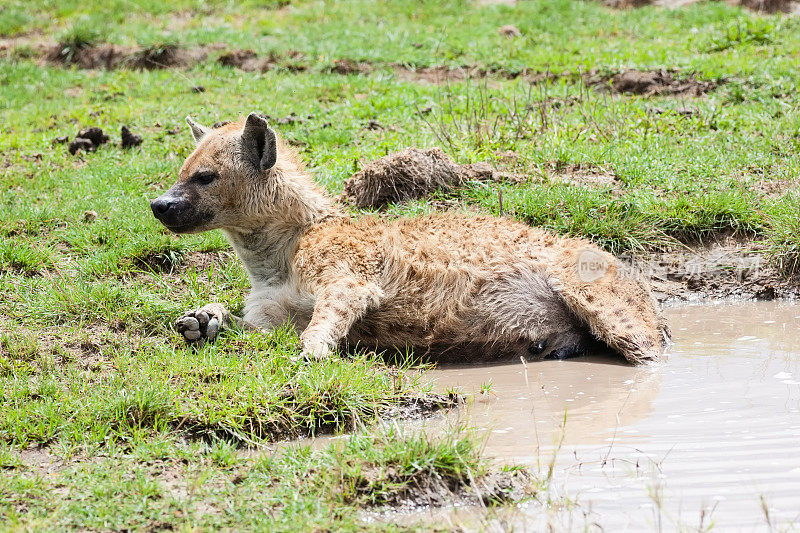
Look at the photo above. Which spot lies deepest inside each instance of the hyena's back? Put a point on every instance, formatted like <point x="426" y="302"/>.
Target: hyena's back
<point x="480" y="288"/>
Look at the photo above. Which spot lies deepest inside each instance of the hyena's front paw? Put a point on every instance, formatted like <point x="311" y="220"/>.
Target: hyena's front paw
<point x="204" y="324"/>
<point x="314" y="350"/>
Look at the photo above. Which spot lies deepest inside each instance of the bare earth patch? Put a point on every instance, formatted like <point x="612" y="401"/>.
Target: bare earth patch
<point x="585" y="175"/>
<point x="649" y="83"/>
<point x="109" y="56"/>
<point x="775" y="188"/>
<point x="249" y="61"/>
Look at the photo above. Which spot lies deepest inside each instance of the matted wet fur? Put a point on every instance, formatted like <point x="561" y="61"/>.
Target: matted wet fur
<point x="410" y="174"/>
<point x="468" y="287"/>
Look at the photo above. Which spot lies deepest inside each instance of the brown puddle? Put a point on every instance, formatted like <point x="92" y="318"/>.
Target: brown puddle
<point x="710" y="436"/>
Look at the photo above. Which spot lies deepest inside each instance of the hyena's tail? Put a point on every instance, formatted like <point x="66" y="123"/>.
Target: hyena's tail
<point x="616" y="305"/>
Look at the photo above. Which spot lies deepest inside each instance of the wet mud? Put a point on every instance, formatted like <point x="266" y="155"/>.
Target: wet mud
<point x="710" y="435"/>
<point x="721" y="268"/>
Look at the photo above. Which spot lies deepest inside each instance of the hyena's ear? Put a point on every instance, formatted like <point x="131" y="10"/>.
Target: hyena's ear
<point x="198" y="131"/>
<point x="259" y="144"/>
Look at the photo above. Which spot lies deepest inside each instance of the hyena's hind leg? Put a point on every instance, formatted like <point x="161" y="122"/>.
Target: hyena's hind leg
<point x="523" y="306"/>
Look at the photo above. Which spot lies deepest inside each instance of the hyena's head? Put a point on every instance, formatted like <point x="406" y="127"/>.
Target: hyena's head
<point x="219" y="182"/>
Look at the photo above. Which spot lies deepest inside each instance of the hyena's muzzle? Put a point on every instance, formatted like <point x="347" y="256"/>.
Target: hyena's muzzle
<point x="178" y="212"/>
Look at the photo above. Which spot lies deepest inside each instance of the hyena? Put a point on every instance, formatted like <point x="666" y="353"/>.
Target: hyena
<point x="450" y="286"/>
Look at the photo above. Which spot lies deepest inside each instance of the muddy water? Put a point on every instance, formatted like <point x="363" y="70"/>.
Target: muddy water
<point x="710" y="436"/>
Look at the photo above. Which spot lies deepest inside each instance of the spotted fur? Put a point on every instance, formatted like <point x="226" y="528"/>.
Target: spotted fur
<point x="456" y="287"/>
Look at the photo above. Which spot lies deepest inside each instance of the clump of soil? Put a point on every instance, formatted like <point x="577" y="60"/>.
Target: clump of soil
<point x="88" y="140"/>
<point x="158" y="262"/>
<point x="129" y="139"/>
<point x="649" y="83"/>
<point x="348" y="66"/>
<point x="249" y="61"/>
<point x="106" y="56"/>
<point x="79" y="143"/>
<point x="411" y="174"/>
<point x="246" y="60"/>
<point x="109" y="56"/>
<point x="166" y="56"/>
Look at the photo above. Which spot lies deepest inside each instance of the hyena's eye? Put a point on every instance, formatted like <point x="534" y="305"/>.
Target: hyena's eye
<point x="204" y="177"/>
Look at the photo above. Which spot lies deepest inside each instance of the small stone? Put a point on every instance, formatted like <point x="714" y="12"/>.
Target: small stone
<point x="509" y="31"/>
<point x="89" y="216"/>
<point x="192" y="335"/>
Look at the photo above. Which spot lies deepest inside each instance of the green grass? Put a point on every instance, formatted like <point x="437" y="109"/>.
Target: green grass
<point x="209" y="486"/>
<point x="89" y="366"/>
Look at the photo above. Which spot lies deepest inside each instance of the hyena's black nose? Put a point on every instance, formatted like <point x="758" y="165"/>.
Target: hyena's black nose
<point x="162" y="206"/>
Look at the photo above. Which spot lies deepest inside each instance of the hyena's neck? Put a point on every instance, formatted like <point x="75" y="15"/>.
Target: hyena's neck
<point x="267" y="253"/>
<point x="288" y="208"/>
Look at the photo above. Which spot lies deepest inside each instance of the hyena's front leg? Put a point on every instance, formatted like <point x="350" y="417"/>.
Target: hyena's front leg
<point x="337" y="307"/>
<point x="205" y="323"/>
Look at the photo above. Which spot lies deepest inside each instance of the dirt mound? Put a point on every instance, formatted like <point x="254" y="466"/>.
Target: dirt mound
<point x="88" y="140"/>
<point x="166" y="56"/>
<point x="106" y="56"/>
<point x="109" y="56"/>
<point x="411" y="174"/>
<point x="246" y="60"/>
<point x="128" y="138"/>
<point x="649" y="83"/>
<point x="249" y="61"/>
<point x="348" y="66"/>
